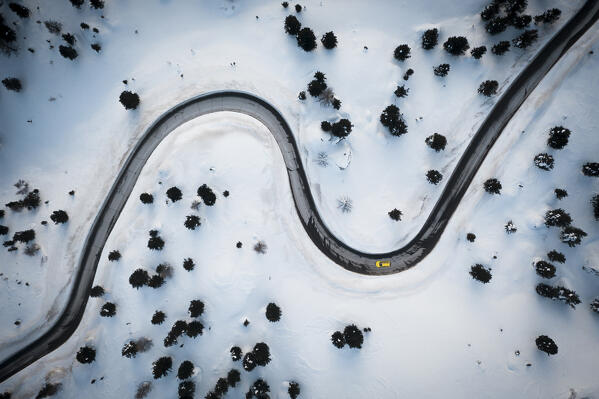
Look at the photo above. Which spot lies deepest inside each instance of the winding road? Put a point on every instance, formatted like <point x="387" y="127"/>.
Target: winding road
<point x="345" y="256"/>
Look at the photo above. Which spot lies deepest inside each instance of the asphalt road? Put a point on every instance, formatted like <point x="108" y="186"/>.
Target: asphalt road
<point x="351" y="259"/>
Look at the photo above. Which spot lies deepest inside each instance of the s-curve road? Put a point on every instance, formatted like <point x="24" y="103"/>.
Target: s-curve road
<point x="345" y="256"/>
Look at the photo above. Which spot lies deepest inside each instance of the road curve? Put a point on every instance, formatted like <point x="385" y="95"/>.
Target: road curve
<point x="347" y="257"/>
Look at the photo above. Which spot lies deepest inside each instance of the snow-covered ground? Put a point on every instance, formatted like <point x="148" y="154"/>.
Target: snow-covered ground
<point x="435" y="331"/>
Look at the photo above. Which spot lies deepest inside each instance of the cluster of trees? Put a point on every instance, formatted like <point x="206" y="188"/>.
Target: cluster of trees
<point x="342" y="128"/>
<point x="393" y="120"/>
<point x="59" y="217"/>
<point x="155" y="242"/>
<point x="306" y="39"/>
<point x="480" y="273"/>
<point x="13" y="84"/>
<point x="259" y="356"/>
<point x="222" y="384"/>
<point x="318" y="88"/>
<point x="192" y="329"/>
<point x="558" y="293"/>
<point x="31" y="201"/>
<point x="141" y="277"/>
<point x="351" y="336"/>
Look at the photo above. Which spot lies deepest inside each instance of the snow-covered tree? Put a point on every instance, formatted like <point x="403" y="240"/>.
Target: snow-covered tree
<point x="129" y="349"/>
<point x="108" y="309"/>
<point x="402" y="52"/>
<point x="341" y="128"/>
<point x="441" y="70"/>
<point x="546" y="344"/>
<point x="478" y="52"/>
<point x="192" y="221"/>
<point x="492" y="186"/>
<point x="185" y="370"/>
<point x="510" y="227"/>
<point x="293" y="390"/>
<point x="401" y="91"/>
<point x="436" y="141"/>
<point x="456" y="45"/>
<point x="393" y="120"/>
<point x="196" y="308"/>
<point x="560" y="193"/>
<point x="236" y="353"/>
<point x="158" y="317"/>
<point x="261" y="354"/>
<point x="558" y="293"/>
<point x="557" y="217"/>
<point x="139" y="278"/>
<point x="162" y="366"/>
<point x="146" y="198"/>
<point x="249" y="363"/>
<point x="488" y="88"/>
<point x="480" y="273"/>
<point x="114" y="255"/>
<point x="572" y="236"/>
<point x="545" y="269"/>
<point x="434" y="176"/>
<point x="556" y="256"/>
<point x="591" y="169"/>
<point x="86" y="354"/>
<point x="188" y="264"/>
<point x="306" y="39"/>
<point x="527" y="38"/>
<point x="329" y="40"/>
<point x="595" y="305"/>
<point x="430" y="37"/>
<point x="558" y="137"/>
<point x="338" y="339"/>
<point x="395" y="214"/>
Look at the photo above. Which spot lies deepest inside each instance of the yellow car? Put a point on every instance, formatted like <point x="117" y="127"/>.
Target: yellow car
<point x="383" y="263"/>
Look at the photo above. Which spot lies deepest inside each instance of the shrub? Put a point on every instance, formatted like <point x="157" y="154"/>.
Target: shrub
<point x="341" y="128"/>
<point x="395" y="214"/>
<point x="401" y="91"/>
<point x="59" y="216"/>
<point x="292" y="25"/>
<point x="560" y="193"/>
<point x="162" y="366"/>
<point x="97" y="4"/>
<point x="456" y="45"/>
<point x="306" y="39"/>
<point x="236" y="353"/>
<point x="393" y="120"/>
<point x="548" y="17"/>
<point x="21" y="11"/>
<point x="481" y="273"/>
<point x="492" y="186"/>
<point x="192" y="221"/>
<point x="557" y="217"/>
<point x="434" y="176"/>
<point x="233" y="377"/>
<point x="591" y="169"/>
<point x="155" y="242"/>
<point x="402" y="52"/>
<point x="572" y="236"/>
<point x="196" y="308"/>
<point x="261" y="354"/>
<point x="188" y="264"/>
<point x="353" y="336"/>
<point x="501" y="48"/>
<point x="527" y="38"/>
<point x="430" y="38"/>
<point x="185" y="370"/>
<point x="338" y="339"/>
<point x="139" y="278"/>
<point x="108" y="309"/>
<point x="294" y="388"/>
<point x="496" y="25"/>
<point x="273" y="312"/>
<point x="488" y="88"/>
<point x="595" y="204"/>
<point x="544" y="161"/>
<point x="77" y="3"/>
<point x="478" y="52"/>
<point x="558" y="137"/>
<point x="158" y="317"/>
<point x="86" y="355"/>
<point x="436" y="141"/>
<point x="471" y="237"/>
<point x="260" y="247"/>
<point x="510" y="227"/>
<point x="302" y="95"/>
<point x="545" y="269"/>
<point x="129" y="100"/>
<point x="556" y="256"/>
<point x="441" y="70"/>
<point x="207" y="195"/>
<point x="24" y="236"/>
<point x="96" y="291"/>
<point x="186" y="389"/>
<point x="68" y="52"/>
<point x="129" y="350"/>
<point x="546" y="344"/>
<point x="329" y="40"/>
<point x="13" y="84"/>
<point x="114" y="255"/>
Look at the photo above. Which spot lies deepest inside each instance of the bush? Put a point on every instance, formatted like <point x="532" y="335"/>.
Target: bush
<point x="158" y="317"/>
<point x="59" y="216"/>
<point x="306" y="39"/>
<point x="261" y="354"/>
<point x="544" y="161"/>
<point x="545" y="269"/>
<point x="146" y="198"/>
<point x="488" y="88"/>
<point x="338" y="339"/>
<point x="273" y="312"/>
<point x="68" y="52"/>
<point x="336" y="103"/>
<point x="481" y="273"/>
<point x="591" y="169"/>
<point x="501" y="48"/>
<point x="21" y="11"/>
<point x="456" y="45"/>
<point x="292" y="25"/>
<point x="188" y="264"/>
<point x="560" y="193"/>
<point x="441" y="70"/>
<point x="496" y="25"/>
<point x="186" y="389"/>
<point x="401" y="91"/>
<point x="556" y="256"/>
<point x="402" y="52"/>
<point x="558" y="137"/>
<point x="96" y="291"/>
<point x="233" y="377"/>
<point x="155" y="242"/>
<point x="329" y="40"/>
<point x="162" y="366"/>
<point x="393" y="120"/>
<point x="557" y="217"/>
<point x="114" y="255"/>
<point x="548" y="17"/>
<point x="436" y="141"/>
<point x="526" y="39"/>
<point x="139" y="278"/>
<point x="353" y="336"/>
<point x="471" y="237"/>
<point x="492" y="186"/>
<point x="24" y="236"/>
<point x="129" y="100"/>
<point x="185" y="370"/>
<point x="97" y="4"/>
<point x="129" y="350"/>
<point x="108" y="309"/>
<point x="293" y="390"/>
<point x="434" y="176"/>
<point x="478" y="52"/>
<point x="341" y="128"/>
<point x="430" y="37"/>
<point x="236" y="353"/>
<point x="192" y="221"/>
<point x="395" y="214"/>
<point x="207" y="195"/>
<point x="572" y="236"/>
<point x="595" y="205"/>
<point x="546" y="344"/>
<point x="86" y="355"/>
<point x="13" y="84"/>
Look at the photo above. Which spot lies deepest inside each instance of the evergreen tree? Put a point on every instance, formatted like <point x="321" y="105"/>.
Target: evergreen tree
<point x="192" y="221"/>
<point x="77" y="3"/>
<point x="114" y="256"/>
<point x="207" y="195"/>
<point x="260" y="388"/>
<point x="456" y="45"/>
<point x="395" y="214"/>
<point x="129" y="100"/>
<point x="273" y="312"/>
<point x="544" y="161"/>
<point x="591" y="169"/>
<point x="129" y="350"/>
<point x="292" y="25"/>
<point x="501" y="48"/>
<point x="174" y="194"/>
<point x="480" y="273"/>
<point x="294" y="388"/>
<point x="556" y="256"/>
<point x="546" y="344"/>
<point x="285" y="4"/>
<point x="233" y="377"/>
<point x="68" y="52"/>
<point x="186" y="389"/>
<point x="317" y="86"/>
<point x="162" y="366"/>
<point x="96" y="291"/>
<point x="572" y="236"/>
<point x="108" y="309"/>
<point x="24" y="236"/>
<point x="341" y="128"/>
<point x="545" y="269"/>
<point x="69" y="38"/>
<point x="302" y="95"/>
<point x="325" y="126"/>
<point x="393" y="120"/>
<point x="236" y="353"/>
<point x="249" y="362"/>
<point x="560" y="193"/>
<point x="196" y="308"/>
<point x="510" y="227"/>
<point x="520" y="21"/>
<point x="155" y="281"/>
<point x="188" y="264"/>
<point x="139" y="278"/>
<point x="471" y="237"/>
<point x="527" y="38"/>
<point x="558" y="293"/>
<point x="221" y="387"/>
<point x="548" y="17"/>
<point x="595" y="204"/>
<point x="306" y="39"/>
<point x="557" y="217"/>
<point x="434" y="176"/>
<point x="194" y="328"/>
<point x="430" y="37"/>
<point x="59" y="216"/>
<point x="155" y="242"/>
<point x="490" y="11"/>
<point x="478" y="52"/>
<point x="21" y="11"/>
<point x="185" y="370"/>
<point x="353" y="336"/>
<point x="261" y="354"/>
<point x="86" y="355"/>
<point x="441" y="70"/>
<point x="492" y="186"/>
<point x="488" y="88"/>
<point x="558" y="137"/>
<point x="595" y="305"/>
<point x="436" y="141"/>
<point x="146" y="198"/>
<point x="329" y="40"/>
<point x="401" y="91"/>
<point x="496" y="25"/>
<point x="298" y="8"/>
<point x="13" y="84"/>
<point x="97" y="4"/>
<point x="402" y="52"/>
<point x="48" y="390"/>
<point x="338" y="339"/>
<point x="408" y="73"/>
<point x="158" y="317"/>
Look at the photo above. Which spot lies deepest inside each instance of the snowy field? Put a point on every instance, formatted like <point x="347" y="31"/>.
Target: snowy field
<point x="435" y="331"/>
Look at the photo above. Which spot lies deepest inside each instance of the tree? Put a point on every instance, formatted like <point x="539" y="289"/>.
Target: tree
<point x="108" y="309"/>
<point x="336" y="103"/>
<point x="298" y="8"/>
<point x="430" y="37"/>
<point x="306" y="39"/>
<point x="317" y="86"/>
<point x="207" y="195"/>
<point x="572" y="236"/>
<point x="233" y="377"/>
<point x="31" y="201"/>
<point x="77" y="3"/>
<point x="436" y="141"/>
<point x="471" y="237"/>
<point x="329" y="40"/>
<point x="544" y="161"/>
<point x="401" y="91"/>
<point x="139" y="278"/>
<point x="402" y="52"/>
<point x="527" y="38"/>
<point x="96" y="291"/>
<point x="492" y="186"/>
<point x="155" y="242"/>
<point x="557" y="217"/>
<point x="174" y="194"/>
<point x="162" y="366"/>
<point x="24" y="236"/>
<point x="192" y="221"/>
<point x="488" y="88"/>
<point x="558" y="137"/>
<point x="261" y="354"/>
<point x="434" y="176"/>
<point x="97" y="4"/>
<point x="146" y="198"/>
<point x="510" y="227"/>
<point x="353" y="336"/>
<point x="408" y="73"/>
<point x="341" y="128"/>
<point x="221" y="387"/>
<point x="294" y="388"/>
<point x="545" y="269"/>
<point x="285" y="4"/>
<point x="481" y="273"/>
<point x="393" y="120"/>
<point x="395" y="214"/>
<point x="158" y="317"/>
<point x="478" y="52"/>
<point x="260" y="247"/>
<point x="456" y="45"/>
<point x="188" y="264"/>
<point x="548" y="17"/>
<point x="129" y="100"/>
<point x="520" y="21"/>
<point x="59" y="216"/>
<point x="236" y="353"/>
<point x="558" y="293"/>
<point x="86" y="355"/>
<point x="501" y="48"/>
<point x="338" y="339"/>
<point x="490" y="11"/>
<point x="441" y="70"/>
<point x="185" y="370"/>
<point x="556" y="256"/>
<point x="292" y="25"/>
<point x="273" y="312"/>
<point x="302" y="95"/>
<point x="13" y="84"/>
<point x="21" y="11"/>
<point x="83" y="25"/>
<point x="48" y="390"/>
<point x="496" y="25"/>
<point x="591" y="169"/>
<point x="546" y="344"/>
<point x="68" y="52"/>
<point x="249" y="362"/>
<point x="196" y="308"/>
<point x="595" y="204"/>
<point x="114" y="255"/>
<point x="155" y="281"/>
<point x="560" y="193"/>
<point x="69" y="38"/>
<point x="186" y="389"/>
<point x="260" y="388"/>
<point x="129" y="350"/>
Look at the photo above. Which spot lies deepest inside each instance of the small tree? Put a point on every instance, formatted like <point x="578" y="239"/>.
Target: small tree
<point x="546" y="344"/>
<point x="207" y="195"/>
<point x="21" y="11"/>
<point x="129" y="350"/>
<point x="317" y="86"/>
<point x="480" y="273"/>
<point x="430" y="37"/>
<point x="545" y="269"/>
<point x="520" y="21"/>
<point x="233" y="377"/>
<point x="146" y="198"/>
<point x="510" y="227"/>
<point x="48" y="390"/>
<point x="294" y="388"/>
<point x="186" y="389"/>
<point x="434" y="176"/>
<point x="456" y="45"/>
<point x="260" y="388"/>
<point x="129" y="100"/>
<point x="59" y="216"/>
<point x="572" y="236"/>
<point x="306" y="39"/>
<point x="353" y="336"/>
<point x="260" y="247"/>
<point x="496" y="25"/>
<point x="192" y="221"/>
<point x="114" y="255"/>
<point x="595" y="305"/>
<point x="162" y="366"/>
<point x="341" y="128"/>
<point x="273" y="312"/>
<point x="158" y="317"/>
<point x="155" y="281"/>
<point x="185" y="370"/>
<point x="560" y="193"/>
<point x="329" y="40"/>
<point x="302" y="95"/>
<point x="526" y="39"/>
<point x="441" y="70"/>
<point x="478" y="52"/>
<point x="595" y="205"/>
<point x="338" y="339"/>
<point x="261" y="354"/>
<point x="401" y="91"/>
<point x="221" y="387"/>
<point x="492" y="186"/>
<point x="236" y="353"/>
<point x="488" y="88"/>
<point x="501" y="48"/>
<point x="108" y="309"/>
<point x="248" y="362"/>
<point x="97" y="4"/>
<point x="548" y="17"/>
<point x="188" y="264"/>
<point x="557" y="217"/>
<point x="96" y="291"/>
<point x="292" y="25"/>
<point x="544" y="161"/>
<point x="436" y="141"/>
<point x="77" y="3"/>
<point x="69" y="38"/>
<point x="139" y="278"/>
<point x="556" y="256"/>
<point x="196" y="308"/>
<point x="408" y="73"/>
<point x="68" y="52"/>
<point x="155" y="242"/>
<point x="24" y="236"/>
<point x="13" y="84"/>
<point x="86" y="355"/>
<point x="471" y="237"/>
<point x="393" y="120"/>
<point x="558" y="137"/>
<point x="298" y="8"/>
<point x="402" y="52"/>
<point x="395" y="214"/>
<point x="591" y="169"/>
<point x="174" y="194"/>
